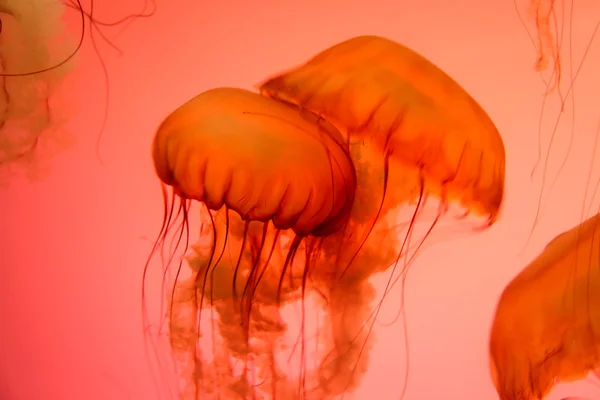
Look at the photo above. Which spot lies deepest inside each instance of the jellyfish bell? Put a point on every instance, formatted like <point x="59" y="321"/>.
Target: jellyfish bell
<point x="546" y="327"/>
<point x="271" y="164"/>
<point x="372" y="87"/>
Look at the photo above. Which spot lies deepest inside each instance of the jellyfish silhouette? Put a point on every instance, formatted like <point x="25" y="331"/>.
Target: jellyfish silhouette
<point x="547" y="323"/>
<point x="304" y="202"/>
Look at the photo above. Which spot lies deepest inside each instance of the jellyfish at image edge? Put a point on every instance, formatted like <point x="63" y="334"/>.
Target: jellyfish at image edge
<point x="37" y="53"/>
<point x="547" y="323"/>
<point x="554" y="300"/>
<point x="33" y="48"/>
<point x="331" y="271"/>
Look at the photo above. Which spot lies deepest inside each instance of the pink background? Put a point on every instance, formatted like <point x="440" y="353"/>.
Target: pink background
<point x="73" y="246"/>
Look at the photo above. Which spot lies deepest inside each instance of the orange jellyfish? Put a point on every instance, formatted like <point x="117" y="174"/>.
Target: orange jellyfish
<point x="547" y="323"/>
<point x="421" y="134"/>
<point x="274" y="182"/>
<point x="409" y="135"/>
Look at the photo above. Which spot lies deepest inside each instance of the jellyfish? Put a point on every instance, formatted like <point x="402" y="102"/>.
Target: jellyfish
<point x="547" y="323"/>
<point x="410" y="135"/>
<point x="37" y="54"/>
<point x="552" y="301"/>
<point x="415" y="126"/>
<point x="32" y="39"/>
<point x="270" y="178"/>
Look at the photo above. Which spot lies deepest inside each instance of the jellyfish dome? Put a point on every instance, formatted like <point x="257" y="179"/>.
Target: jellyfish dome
<point x="309" y="189"/>
<point x="547" y="323"/>
<point x="415" y="113"/>
<point x="290" y="173"/>
<point x="32" y="44"/>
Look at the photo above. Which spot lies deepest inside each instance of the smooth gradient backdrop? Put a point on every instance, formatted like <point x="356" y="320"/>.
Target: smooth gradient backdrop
<point x="73" y="246"/>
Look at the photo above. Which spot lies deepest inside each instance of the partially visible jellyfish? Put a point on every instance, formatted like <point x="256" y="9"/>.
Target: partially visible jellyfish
<point x="547" y="323"/>
<point x="32" y="40"/>
<point x="367" y="124"/>
<point x="36" y="54"/>
<point x="546" y="327"/>
<point x="548" y="29"/>
<point x="563" y="41"/>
